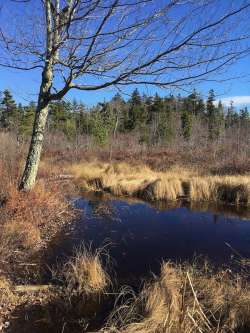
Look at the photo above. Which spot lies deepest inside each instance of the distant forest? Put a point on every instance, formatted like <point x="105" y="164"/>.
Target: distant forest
<point x="152" y="120"/>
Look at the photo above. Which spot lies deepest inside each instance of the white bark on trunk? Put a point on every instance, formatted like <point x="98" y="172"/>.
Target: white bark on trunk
<point x="33" y="159"/>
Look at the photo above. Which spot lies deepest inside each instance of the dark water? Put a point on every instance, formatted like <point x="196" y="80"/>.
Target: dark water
<point x="140" y="235"/>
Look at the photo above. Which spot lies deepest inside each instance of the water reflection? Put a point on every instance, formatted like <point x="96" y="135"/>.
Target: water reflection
<point x="142" y="234"/>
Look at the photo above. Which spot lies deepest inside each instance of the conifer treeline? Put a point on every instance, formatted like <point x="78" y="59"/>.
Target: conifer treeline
<point x="154" y="120"/>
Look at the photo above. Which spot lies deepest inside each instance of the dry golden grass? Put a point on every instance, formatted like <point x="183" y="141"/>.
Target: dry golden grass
<point x="139" y="181"/>
<point x="229" y="189"/>
<point x="6" y="293"/>
<point x="202" y="189"/>
<point x="164" y="188"/>
<point x="186" y="300"/>
<point x="84" y="273"/>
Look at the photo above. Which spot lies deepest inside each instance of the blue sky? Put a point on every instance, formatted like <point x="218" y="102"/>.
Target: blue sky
<point x="25" y="86"/>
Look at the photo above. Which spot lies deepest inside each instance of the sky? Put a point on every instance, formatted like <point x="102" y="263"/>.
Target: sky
<point x="25" y="86"/>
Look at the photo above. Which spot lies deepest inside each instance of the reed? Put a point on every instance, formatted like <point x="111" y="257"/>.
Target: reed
<point x="84" y="273"/>
<point x="140" y="181"/>
<point x="186" y="299"/>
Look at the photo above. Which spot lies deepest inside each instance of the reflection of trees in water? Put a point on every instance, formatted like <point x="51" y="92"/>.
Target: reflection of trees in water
<point x="229" y="211"/>
<point x="165" y="205"/>
<point x="216" y="218"/>
<point x="217" y="209"/>
<point x="103" y="209"/>
<point x="102" y="206"/>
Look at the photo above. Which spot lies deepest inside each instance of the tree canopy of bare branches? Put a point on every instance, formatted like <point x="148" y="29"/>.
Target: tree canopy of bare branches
<point x="94" y="44"/>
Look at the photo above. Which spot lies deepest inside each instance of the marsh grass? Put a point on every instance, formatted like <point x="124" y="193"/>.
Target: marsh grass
<point x="185" y="299"/>
<point x="85" y="272"/>
<point x="6" y="293"/>
<point x="121" y="179"/>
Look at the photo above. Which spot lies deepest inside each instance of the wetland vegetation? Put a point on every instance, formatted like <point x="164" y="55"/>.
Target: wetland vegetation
<point x="87" y="289"/>
<point x="131" y="215"/>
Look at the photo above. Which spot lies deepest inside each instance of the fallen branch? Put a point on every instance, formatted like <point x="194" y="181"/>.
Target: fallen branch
<point x="34" y="288"/>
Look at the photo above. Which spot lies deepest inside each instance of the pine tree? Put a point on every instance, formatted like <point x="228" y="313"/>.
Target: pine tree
<point x="82" y="121"/>
<point x="165" y="121"/>
<point x="190" y="103"/>
<point x="62" y="117"/>
<point x="136" y="98"/>
<point x="154" y="115"/>
<point x="244" y="114"/>
<point x="244" y="119"/>
<point x="230" y="116"/>
<point x="102" y="123"/>
<point x="220" y="119"/>
<point x="28" y="116"/>
<point x="200" y="108"/>
<point x="9" y="112"/>
<point x="117" y="100"/>
<point x="186" y="124"/>
<point x="136" y="111"/>
<point x="214" y="117"/>
<point x="120" y="110"/>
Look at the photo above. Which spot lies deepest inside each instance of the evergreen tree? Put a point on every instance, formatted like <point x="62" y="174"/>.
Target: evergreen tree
<point x="165" y="127"/>
<point x="136" y="98"/>
<point x="244" y="114"/>
<point x="136" y="112"/>
<point x="220" y="118"/>
<point x="200" y="108"/>
<point x="230" y="116"/>
<point x="82" y="119"/>
<point x="186" y="124"/>
<point x="154" y="116"/>
<point x="28" y="116"/>
<point x="190" y="103"/>
<point x="214" y="117"/>
<point x="120" y="110"/>
<point x="102" y="123"/>
<point x="62" y="117"/>
<point x="117" y="100"/>
<point x="165" y="124"/>
<point x="244" y="118"/>
<point x="9" y="112"/>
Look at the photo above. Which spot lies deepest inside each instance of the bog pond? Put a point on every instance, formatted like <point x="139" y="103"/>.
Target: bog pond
<point x="138" y="236"/>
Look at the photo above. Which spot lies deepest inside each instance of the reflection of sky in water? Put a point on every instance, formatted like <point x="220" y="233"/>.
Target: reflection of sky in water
<point x="142" y="236"/>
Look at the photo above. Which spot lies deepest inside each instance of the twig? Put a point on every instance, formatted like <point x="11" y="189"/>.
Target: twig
<point x="198" y="303"/>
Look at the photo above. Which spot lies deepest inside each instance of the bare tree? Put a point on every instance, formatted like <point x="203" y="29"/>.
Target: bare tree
<point x="94" y="44"/>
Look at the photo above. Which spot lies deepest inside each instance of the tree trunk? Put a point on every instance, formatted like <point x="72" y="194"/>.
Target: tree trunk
<point x="33" y="159"/>
<point x="35" y="149"/>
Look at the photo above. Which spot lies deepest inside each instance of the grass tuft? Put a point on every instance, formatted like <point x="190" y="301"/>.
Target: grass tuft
<point x="121" y="179"/>
<point x="186" y="299"/>
<point x="84" y="273"/>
